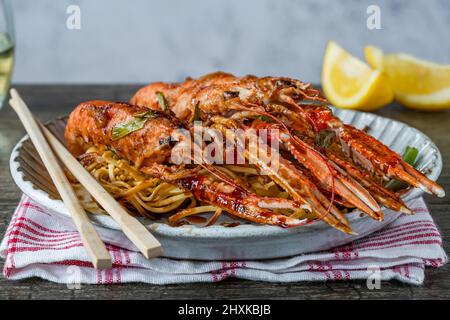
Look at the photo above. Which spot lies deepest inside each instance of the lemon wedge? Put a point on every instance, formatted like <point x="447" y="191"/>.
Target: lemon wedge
<point x="374" y="57"/>
<point x="349" y="83"/>
<point x="417" y="83"/>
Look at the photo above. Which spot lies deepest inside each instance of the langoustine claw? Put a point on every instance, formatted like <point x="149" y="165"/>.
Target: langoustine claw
<point x="289" y="178"/>
<point x="240" y="203"/>
<point x="93" y="123"/>
<point x="351" y="172"/>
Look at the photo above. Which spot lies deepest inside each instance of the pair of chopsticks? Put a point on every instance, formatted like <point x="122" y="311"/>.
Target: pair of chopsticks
<point x="47" y="145"/>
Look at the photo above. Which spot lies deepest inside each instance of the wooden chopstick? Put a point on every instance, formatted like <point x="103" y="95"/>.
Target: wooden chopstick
<point x="95" y="247"/>
<point x="133" y="229"/>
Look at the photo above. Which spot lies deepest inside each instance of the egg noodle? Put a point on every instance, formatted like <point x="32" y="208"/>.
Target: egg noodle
<point x="146" y="196"/>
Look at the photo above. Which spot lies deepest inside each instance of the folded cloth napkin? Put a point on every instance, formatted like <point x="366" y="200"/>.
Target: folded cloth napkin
<point x="40" y="244"/>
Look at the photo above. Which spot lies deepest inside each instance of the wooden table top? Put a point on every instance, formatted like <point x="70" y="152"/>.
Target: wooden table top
<point x="50" y="101"/>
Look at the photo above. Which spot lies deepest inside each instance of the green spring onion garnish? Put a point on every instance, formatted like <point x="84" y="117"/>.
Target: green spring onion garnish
<point x="410" y="157"/>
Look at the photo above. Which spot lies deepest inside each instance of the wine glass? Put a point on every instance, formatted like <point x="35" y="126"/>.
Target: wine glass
<point x="6" y="48"/>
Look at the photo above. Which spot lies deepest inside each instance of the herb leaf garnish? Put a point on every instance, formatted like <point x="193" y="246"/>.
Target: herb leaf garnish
<point x="409" y="156"/>
<point x="123" y="129"/>
<point x="264" y="118"/>
<point x="162" y="101"/>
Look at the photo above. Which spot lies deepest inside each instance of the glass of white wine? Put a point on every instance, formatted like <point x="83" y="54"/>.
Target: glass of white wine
<point x="6" y="48"/>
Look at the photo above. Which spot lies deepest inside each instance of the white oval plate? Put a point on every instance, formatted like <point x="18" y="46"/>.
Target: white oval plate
<point x="251" y="241"/>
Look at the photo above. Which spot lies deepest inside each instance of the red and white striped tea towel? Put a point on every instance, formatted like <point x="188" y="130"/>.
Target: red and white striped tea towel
<point x="38" y="244"/>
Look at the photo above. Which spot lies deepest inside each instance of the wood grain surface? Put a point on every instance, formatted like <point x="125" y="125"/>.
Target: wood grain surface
<point x="51" y="101"/>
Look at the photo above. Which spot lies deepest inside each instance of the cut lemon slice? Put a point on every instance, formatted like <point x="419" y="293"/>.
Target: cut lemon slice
<point x="417" y="83"/>
<point x="351" y="84"/>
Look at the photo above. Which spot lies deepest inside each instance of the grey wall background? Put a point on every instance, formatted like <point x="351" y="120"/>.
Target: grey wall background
<point x="140" y="41"/>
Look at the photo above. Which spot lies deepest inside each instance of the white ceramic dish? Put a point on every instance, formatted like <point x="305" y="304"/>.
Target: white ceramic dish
<point x="251" y="241"/>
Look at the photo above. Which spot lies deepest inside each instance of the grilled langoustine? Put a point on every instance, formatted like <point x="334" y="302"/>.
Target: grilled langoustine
<point x="95" y="123"/>
<point x="323" y="165"/>
<point x="352" y="164"/>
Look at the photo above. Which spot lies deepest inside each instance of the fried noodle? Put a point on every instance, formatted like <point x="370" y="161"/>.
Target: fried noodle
<point x="146" y="196"/>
